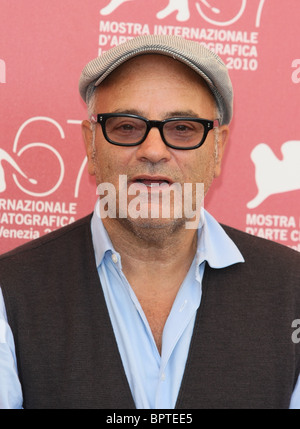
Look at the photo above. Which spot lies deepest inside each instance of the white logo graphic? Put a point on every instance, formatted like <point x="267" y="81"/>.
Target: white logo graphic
<point x="181" y="7"/>
<point x="112" y="6"/>
<point x="33" y="151"/>
<point x="5" y="157"/>
<point x="2" y="71"/>
<point x="275" y="176"/>
<point x="208" y="10"/>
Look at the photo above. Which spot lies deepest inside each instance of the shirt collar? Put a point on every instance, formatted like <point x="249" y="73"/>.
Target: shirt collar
<point x="214" y="245"/>
<point x="101" y="240"/>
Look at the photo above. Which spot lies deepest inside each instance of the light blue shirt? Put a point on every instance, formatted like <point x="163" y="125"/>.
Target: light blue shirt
<point x="154" y="379"/>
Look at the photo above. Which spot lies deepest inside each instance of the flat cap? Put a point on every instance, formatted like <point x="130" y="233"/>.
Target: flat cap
<point x="203" y="61"/>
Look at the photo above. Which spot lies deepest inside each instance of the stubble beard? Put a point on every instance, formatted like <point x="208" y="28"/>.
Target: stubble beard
<point x="154" y="232"/>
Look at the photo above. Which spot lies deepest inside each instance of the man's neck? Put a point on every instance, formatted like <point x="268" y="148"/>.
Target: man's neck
<point x="161" y="253"/>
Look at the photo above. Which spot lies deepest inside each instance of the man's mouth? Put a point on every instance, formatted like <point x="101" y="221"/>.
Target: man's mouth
<point x="152" y="182"/>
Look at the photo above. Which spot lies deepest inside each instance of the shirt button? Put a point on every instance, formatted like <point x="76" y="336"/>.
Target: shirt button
<point x="114" y="258"/>
<point x="183" y="306"/>
<point x="163" y="377"/>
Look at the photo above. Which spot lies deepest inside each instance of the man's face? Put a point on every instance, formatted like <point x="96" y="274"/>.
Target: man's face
<point x="157" y="88"/>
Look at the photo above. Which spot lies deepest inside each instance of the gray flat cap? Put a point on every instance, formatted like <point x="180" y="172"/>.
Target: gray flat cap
<point x="205" y="62"/>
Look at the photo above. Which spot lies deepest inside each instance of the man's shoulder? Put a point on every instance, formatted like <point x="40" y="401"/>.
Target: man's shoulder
<point x="258" y="247"/>
<point x="53" y="239"/>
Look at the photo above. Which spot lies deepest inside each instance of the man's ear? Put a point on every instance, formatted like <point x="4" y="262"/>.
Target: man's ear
<point x="89" y="145"/>
<point x="223" y="136"/>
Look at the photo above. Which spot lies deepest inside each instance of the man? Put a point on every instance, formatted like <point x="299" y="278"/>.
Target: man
<point x="131" y="307"/>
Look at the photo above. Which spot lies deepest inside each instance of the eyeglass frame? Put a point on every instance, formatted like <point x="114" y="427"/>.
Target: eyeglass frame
<point x="101" y="119"/>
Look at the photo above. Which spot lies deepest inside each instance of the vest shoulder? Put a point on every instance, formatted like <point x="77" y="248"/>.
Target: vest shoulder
<point x="260" y="247"/>
<point x="52" y="239"/>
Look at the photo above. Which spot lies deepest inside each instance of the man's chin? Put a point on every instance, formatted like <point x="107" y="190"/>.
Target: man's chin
<point x="152" y="229"/>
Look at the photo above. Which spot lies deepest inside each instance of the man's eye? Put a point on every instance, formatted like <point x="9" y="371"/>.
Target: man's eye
<point x="131" y="126"/>
<point x="182" y="128"/>
<point x="123" y="128"/>
<point x="126" y="127"/>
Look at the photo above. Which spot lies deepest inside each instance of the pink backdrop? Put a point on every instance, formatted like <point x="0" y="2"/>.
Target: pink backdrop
<point x="44" y="45"/>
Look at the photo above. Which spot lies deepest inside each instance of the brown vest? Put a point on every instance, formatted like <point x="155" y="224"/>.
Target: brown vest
<point x="241" y="355"/>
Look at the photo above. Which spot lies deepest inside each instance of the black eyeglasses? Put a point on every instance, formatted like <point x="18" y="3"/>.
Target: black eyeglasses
<point x="131" y="130"/>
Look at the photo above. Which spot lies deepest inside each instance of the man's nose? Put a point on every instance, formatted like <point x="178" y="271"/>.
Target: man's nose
<point x="153" y="149"/>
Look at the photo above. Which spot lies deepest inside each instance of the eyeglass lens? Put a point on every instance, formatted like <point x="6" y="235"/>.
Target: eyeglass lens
<point x="181" y="133"/>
